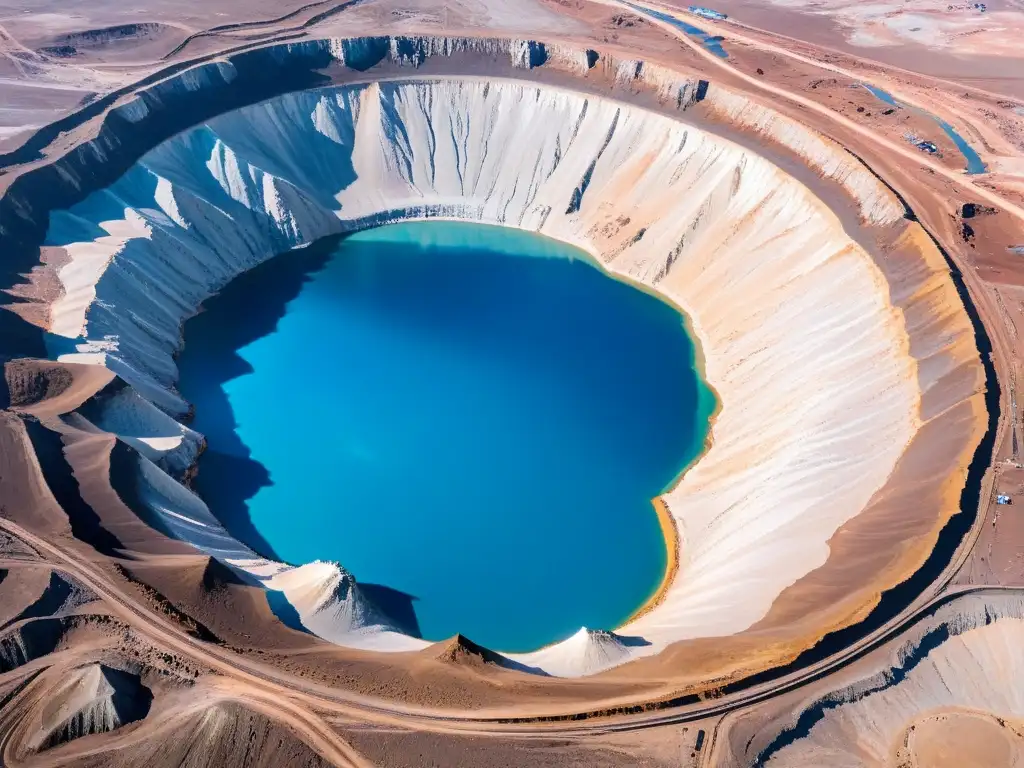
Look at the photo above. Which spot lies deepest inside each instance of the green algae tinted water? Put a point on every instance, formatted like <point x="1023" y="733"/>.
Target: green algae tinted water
<point x="471" y="419"/>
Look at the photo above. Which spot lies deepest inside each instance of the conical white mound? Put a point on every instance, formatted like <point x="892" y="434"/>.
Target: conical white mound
<point x="587" y="652"/>
<point x="331" y="605"/>
<point x="325" y="593"/>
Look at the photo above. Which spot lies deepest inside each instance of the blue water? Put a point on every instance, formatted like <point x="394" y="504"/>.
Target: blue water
<point x="471" y="419"/>
<point x="712" y="42"/>
<point x="974" y="162"/>
<point x="883" y="95"/>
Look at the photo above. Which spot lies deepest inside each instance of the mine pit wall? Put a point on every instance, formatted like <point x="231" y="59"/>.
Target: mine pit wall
<point x="938" y="375"/>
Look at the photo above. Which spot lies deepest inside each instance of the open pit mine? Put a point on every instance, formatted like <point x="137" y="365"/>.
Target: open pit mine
<point x="439" y="499"/>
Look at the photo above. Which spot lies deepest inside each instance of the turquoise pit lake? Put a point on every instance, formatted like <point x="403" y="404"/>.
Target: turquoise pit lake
<point x="471" y="419"/>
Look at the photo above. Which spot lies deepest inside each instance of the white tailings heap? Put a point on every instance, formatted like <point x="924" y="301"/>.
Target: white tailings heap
<point x="819" y="394"/>
<point x="335" y="608"/>
<point x="587" y="652"/>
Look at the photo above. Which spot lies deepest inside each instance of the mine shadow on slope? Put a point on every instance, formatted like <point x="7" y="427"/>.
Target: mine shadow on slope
<point x="48" y="603"/>
<point x="396" y="605"/>
<point x="276" y="282"/>
<point x="59" y="476"/>
<point x="258" y="300"/>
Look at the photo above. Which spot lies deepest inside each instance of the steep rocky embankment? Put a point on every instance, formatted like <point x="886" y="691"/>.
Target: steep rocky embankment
<point x="850" y="386"/>
<point x="948" y="692"/>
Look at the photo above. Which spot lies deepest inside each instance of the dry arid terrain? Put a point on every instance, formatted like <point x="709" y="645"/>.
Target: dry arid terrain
<point x="832" y="191"/>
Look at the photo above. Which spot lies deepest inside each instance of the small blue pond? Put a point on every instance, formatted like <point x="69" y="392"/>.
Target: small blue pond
<point x="974" y="162"/>
<point x="472" y="419"/>
<point x="712" y="42"/>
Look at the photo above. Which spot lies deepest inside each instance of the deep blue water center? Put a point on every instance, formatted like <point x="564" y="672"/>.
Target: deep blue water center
<point x="473" y="420"/>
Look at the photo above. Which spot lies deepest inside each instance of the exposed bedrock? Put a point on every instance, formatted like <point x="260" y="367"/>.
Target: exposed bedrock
<point x="850" y="387"/>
